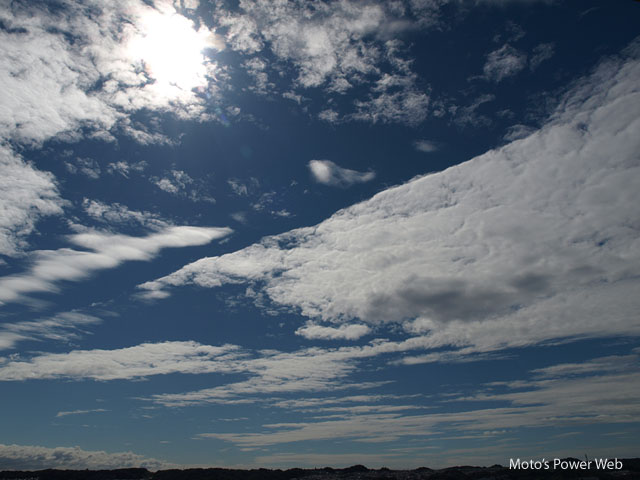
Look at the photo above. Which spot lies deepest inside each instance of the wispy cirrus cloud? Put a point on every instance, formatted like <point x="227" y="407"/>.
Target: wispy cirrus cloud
<point x="80" y="412"/>
<point x="562" y="400"/>
<point x="63" y="326"/>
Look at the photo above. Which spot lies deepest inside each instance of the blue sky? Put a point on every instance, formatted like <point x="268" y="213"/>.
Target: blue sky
<point x="295" y="233"/>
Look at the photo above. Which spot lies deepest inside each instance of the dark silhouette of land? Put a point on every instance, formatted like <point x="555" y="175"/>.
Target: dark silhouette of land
<point x="630" y="470"/>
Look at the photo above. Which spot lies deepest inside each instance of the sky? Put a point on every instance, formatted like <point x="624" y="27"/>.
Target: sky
<point x="300" y="233"/>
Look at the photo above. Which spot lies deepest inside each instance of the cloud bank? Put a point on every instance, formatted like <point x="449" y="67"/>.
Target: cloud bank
<point x="31" y="457"/>
<point x="534" y="241"/>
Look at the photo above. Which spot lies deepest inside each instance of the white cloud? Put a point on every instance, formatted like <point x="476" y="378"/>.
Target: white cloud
<point x="102" y="250"/>
<point x="180" y="183"/>
<point x="328" y="173"/>
<point x="50" y="81"/>
<point x="335" y="46"/>
<point x="125" y="169"/>
<point x="281" y="213"/>
<point x="118" y="214"/>
<point x="125" y="363"/>
<point x="80" y="412"/>
<point x="312" y="331"/>
<point x="45" y="80"/>
<point x="60" y="327"/>
<point x="541" y="53"/>
<point x="613" y="363"/>
<point x="26" y="194"/>
<point x="238" y="187"/>
<point x="84" y="166"/>
<point x="518" y="131"/>
<point x="504" y="62"/>
<point x="323" y="42"/>
<point x="266" y="372"/>
<point x="271" y="372"/>
<point x="329" y="116"/>
<point x="240" y="217"/>
<point x="256" y="67"/>
<point x="165" y="185"/>
<point x="563" y="401"/>
<point x="30" y="457"/>
<point x="468" y="115"/>
<point x="406" y="106"/>
<point x="425" y="146"/>
<point x="67" y="73"/>
<point x="530" y="242"/>
<point x="264" y="201"/>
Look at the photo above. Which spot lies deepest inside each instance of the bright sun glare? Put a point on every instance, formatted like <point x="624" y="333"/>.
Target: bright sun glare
<point x="172" y="51"/>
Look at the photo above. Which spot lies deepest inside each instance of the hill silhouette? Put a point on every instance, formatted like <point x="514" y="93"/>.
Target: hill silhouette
<point x="630" y="470"/>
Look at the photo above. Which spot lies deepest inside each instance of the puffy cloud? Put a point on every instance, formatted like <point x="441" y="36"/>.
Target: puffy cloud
<point x="504" y="62"/>
<point x="533" y="241"/>
<point x="26" y="194"/>
<point x="125" y="169"/>
<point x="103" y="250"/>
<point x="330" y="116"/>
<point x="69" y="72"/>
<point x="335" y="46"/>
<point x="118" y="214"/>
<point x="322" y="42"/>
<point x="328" y="173"/>
<point x="256" y="68"/>
<point x="406" y="106"/>
<point x="180" y="183"/>
<point x="68" y="69"/>
<point x="344" y="332"/>
<point x="30" y="457"/>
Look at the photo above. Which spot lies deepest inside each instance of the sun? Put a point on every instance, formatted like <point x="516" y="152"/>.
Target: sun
<point x="171" y="52"/>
